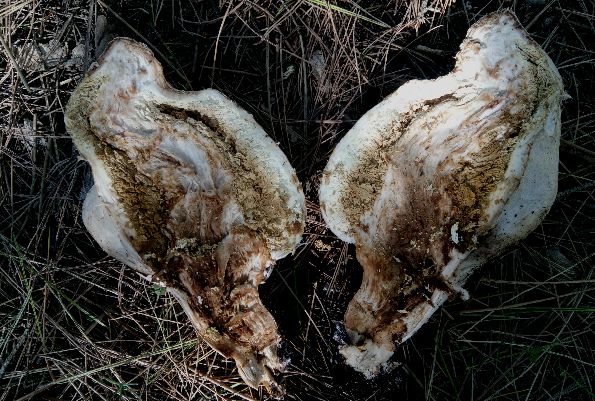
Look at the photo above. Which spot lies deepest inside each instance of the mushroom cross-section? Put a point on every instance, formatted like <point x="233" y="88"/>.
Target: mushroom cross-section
<point x="440" y="176"/>
<point x="192" y="193"/>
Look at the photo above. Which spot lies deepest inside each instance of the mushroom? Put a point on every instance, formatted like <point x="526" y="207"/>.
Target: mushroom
<point x="440" y="176"/>
<point x="190" y="192"/>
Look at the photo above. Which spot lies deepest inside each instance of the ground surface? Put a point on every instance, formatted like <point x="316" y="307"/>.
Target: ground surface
<point x="74" y="324"/>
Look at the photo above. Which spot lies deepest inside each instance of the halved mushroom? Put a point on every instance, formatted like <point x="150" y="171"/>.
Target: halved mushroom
<point x="440" y="176"/>
<point x="192" y="193"/>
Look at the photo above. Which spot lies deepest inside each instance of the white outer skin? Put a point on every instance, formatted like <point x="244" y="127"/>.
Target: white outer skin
<point x="516" y="207"/>
<point x="103" y="226"/>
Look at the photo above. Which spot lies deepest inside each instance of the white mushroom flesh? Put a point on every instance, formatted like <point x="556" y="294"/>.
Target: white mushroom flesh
<point x="440" y="176"/>
<point x="191" y="192"/>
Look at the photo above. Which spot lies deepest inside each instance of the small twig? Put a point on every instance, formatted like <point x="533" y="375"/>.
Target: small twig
<point x="543" y="10"/>
<point x="536" y="283"/>
<point x="437" y="52"/>
<point x="147" y="42"/>
<point x="13" y="8"/>
<point x="14" y="63"/>
<point x="512" y="306"/>
<point x="587" y="153"/>
<point x="217" y="40"/>
<point x="308" y="325"/>
<point x="322" y="337"/>
<point x="90" y="15"/>
<point x="220" y="384"/>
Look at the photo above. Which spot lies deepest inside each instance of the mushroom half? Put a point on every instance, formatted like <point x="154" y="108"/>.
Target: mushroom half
<point x="191" y="193"/>
<point x="440" y="176"/>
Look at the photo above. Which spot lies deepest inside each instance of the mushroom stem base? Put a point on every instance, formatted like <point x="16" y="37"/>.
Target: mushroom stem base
<point x="368" y="358"/>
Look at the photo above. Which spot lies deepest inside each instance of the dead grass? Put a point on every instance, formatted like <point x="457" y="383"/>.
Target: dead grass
<point x="75" y="324"/>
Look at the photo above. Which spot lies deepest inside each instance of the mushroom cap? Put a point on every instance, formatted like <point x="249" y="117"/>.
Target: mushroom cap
<point x="440" y="176"/>
<point x="190" y="192"/>
<point x="125" y="98"/>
